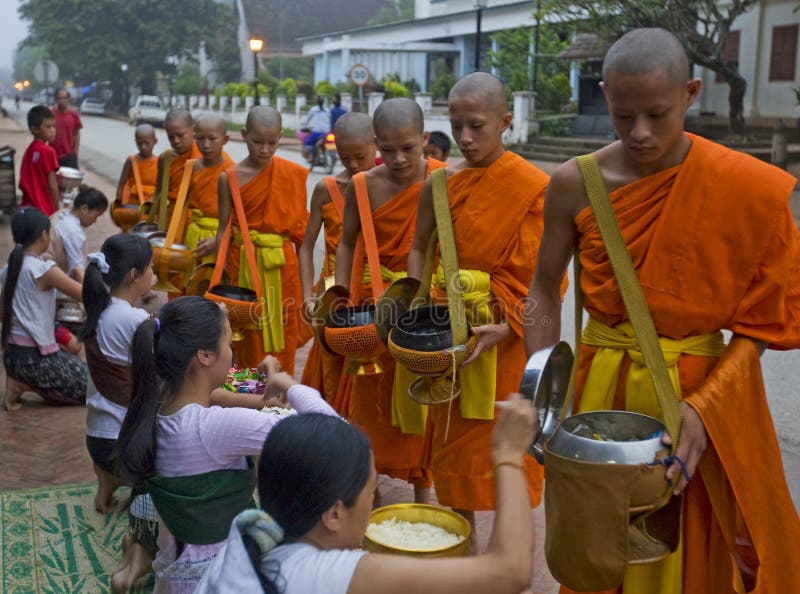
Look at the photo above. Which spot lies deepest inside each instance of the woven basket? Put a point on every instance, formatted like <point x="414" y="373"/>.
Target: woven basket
<point x="428" y="362"/>
<point x="243" y="315"/>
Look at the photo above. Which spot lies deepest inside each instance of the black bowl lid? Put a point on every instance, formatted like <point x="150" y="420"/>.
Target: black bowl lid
<point x="352" y="317"/>
<point x="234" y="292"/>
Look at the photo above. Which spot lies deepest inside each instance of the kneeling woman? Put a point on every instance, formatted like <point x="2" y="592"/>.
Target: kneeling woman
<point x="316" y="479"/>
<point x="193" y="456"/>
<point x="31" y="356"/>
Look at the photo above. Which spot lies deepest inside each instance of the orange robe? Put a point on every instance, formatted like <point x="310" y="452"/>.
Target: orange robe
<point x="498" y="223"/>
<point x="368" y="398"/>
<point x="202" y="193"/>
<point x="275" y="202"/>
<point x="323" y="369"/>
<point x="176" y="171"/>
<point x="715" y="247"/>
<point x="148" y="172"/>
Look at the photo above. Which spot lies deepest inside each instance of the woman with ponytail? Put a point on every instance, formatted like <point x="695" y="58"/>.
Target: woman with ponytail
<point x="116" y="276"/>
<point x="190" y="442"/>
<point x="31" y="356"/>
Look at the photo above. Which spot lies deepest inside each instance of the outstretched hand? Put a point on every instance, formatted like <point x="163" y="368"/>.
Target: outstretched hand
<point x="278" y="382"/>
<point x="692" y="444"/>
<point x="488" y="336"/>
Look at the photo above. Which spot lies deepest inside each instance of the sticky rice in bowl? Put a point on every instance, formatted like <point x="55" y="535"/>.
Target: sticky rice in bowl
<point x="417" y="530"/>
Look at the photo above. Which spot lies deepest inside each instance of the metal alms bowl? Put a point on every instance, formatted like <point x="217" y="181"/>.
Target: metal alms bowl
<point x="629" y="438"/>
<point x="429" y="514"/>
<point x="545" y="381"/>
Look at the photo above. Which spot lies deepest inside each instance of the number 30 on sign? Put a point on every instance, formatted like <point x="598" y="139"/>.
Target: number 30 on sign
<point x="359" y="74"/>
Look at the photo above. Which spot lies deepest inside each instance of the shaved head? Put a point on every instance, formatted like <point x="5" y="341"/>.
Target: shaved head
<point x="398" y="114"/>
<point x="210" y="120"/>
<point x="145" y="130"/>
<point x="645" y="51"/>
<point x="181" y="117"/>
<point x="354" y="127"/>
<point x="483" y="86"/>
<point x="264" y="116"/>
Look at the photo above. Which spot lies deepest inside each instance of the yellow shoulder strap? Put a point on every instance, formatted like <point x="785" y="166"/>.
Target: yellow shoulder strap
<point x="632" y="294"/>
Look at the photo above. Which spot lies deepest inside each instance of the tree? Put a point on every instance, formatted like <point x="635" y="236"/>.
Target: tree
<point x="189" y="81"/>
<point x="702" y="26"/>
<point x="397" y="10"/>
<point x="25" y="58"/>
<point x="95" y="38"/>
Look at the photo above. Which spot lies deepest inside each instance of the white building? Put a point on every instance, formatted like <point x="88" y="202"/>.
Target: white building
<point x="764" y="41"/>
<point x="442" y="34"/>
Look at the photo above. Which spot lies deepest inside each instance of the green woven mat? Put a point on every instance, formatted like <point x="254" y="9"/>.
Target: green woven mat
<point x="52" y="541"/>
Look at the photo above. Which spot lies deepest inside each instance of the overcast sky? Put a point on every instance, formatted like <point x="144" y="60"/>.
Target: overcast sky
<point x="12" y="31"/>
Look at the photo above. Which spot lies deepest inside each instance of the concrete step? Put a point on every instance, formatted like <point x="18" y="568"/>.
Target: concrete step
<point x="576" y="142"/>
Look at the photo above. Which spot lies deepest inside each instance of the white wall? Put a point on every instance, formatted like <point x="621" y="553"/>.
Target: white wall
<point x="763" y="98"/>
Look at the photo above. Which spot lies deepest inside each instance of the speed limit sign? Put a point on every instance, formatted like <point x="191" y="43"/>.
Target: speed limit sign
<point x="359" y="74"/>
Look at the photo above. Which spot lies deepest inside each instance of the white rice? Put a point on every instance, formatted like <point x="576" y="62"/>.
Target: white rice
<point x="279" y="410"/>
<point x="419" y="536"/>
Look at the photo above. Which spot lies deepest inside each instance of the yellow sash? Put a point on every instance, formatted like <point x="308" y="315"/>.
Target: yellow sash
<point x="201" y="228"/>
<point x="640" y="396"/>
<point x="270" y="260"/>
<point x="479" y="378"/>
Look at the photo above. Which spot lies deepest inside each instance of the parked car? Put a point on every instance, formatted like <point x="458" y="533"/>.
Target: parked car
<point x="93" y="106"/>
<point x="149" y="109"/>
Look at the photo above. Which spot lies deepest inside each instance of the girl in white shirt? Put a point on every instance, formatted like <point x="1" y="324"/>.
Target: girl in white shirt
<point x="116" y="276"/>
<point x="31" y="356"/>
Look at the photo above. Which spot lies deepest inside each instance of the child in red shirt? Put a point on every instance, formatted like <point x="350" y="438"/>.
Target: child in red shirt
<point x="37" y="176"/>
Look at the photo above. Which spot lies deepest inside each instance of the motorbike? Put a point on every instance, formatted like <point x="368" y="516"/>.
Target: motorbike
<point x="325" y="154"/>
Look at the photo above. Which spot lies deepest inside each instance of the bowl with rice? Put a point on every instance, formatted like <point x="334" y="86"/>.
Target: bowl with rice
<point x="417" y="530"/>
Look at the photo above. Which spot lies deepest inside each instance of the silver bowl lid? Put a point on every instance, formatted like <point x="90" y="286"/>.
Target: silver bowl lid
<point x="545" y="382"/>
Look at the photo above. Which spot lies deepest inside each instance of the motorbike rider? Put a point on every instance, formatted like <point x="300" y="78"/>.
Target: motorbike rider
<point x="319" y="122"/>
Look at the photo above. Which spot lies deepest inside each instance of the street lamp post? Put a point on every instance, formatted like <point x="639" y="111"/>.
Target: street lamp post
<point x="479" y="6"/>
<point x="255" y="46"/>
<point x="124" y="68"/>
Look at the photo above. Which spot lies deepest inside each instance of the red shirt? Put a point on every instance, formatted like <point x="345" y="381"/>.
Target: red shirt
<point x="67" y="125"/>
<point x="39" y="160"/>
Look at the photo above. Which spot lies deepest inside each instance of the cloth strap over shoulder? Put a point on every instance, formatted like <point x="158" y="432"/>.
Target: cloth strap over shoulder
<point x="632" y="294"/>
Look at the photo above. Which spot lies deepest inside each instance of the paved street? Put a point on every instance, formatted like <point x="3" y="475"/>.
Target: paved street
<point x="106" y="142"/>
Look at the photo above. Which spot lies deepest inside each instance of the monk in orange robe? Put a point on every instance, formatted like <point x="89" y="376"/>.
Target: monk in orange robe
<point x="210" y="136"/>
<point x="704" y="266"/>
<point x="137" y="181"/>
<point x="496" y="200"/>
<point x="355" y="144"/>
<point x="393" y="190"/>
<point x="273" y="192"/>
<point x="180" y="133"/>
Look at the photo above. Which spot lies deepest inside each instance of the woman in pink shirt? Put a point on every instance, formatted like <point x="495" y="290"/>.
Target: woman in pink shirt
<point x="192" y="455"/>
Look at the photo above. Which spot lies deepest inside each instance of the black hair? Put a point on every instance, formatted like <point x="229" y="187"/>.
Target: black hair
<point x="91" y="197"/>
<point x="307" y="464"/>
<point x="337" y="99"/>
<point x="123" y="254"/>
<point x="161" y="352"/>
<point x="27" y="225"/>
<point x="61" y="90"/>
<point x="440" y="139"/>
<point x="37" y="114"/>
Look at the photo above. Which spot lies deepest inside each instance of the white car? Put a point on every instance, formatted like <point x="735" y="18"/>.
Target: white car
<point x="149" y="109"/>
<point x="93" y="106"/>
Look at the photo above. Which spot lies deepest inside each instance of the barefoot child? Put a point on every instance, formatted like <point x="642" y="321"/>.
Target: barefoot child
<point x="172" y="163"/>
<point x="273" y="192"/>
<point x="137" y="182"/>
<point x="37" y="173"/>
<point x="119" y="274"/>
<point x="210" y="135"/>
<point x="495" y="202"/>
<point x="355" y="143"/>
<point x="31" y="356"/>
<point x="393" y="189"/>
<point x="184" y="447"/>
